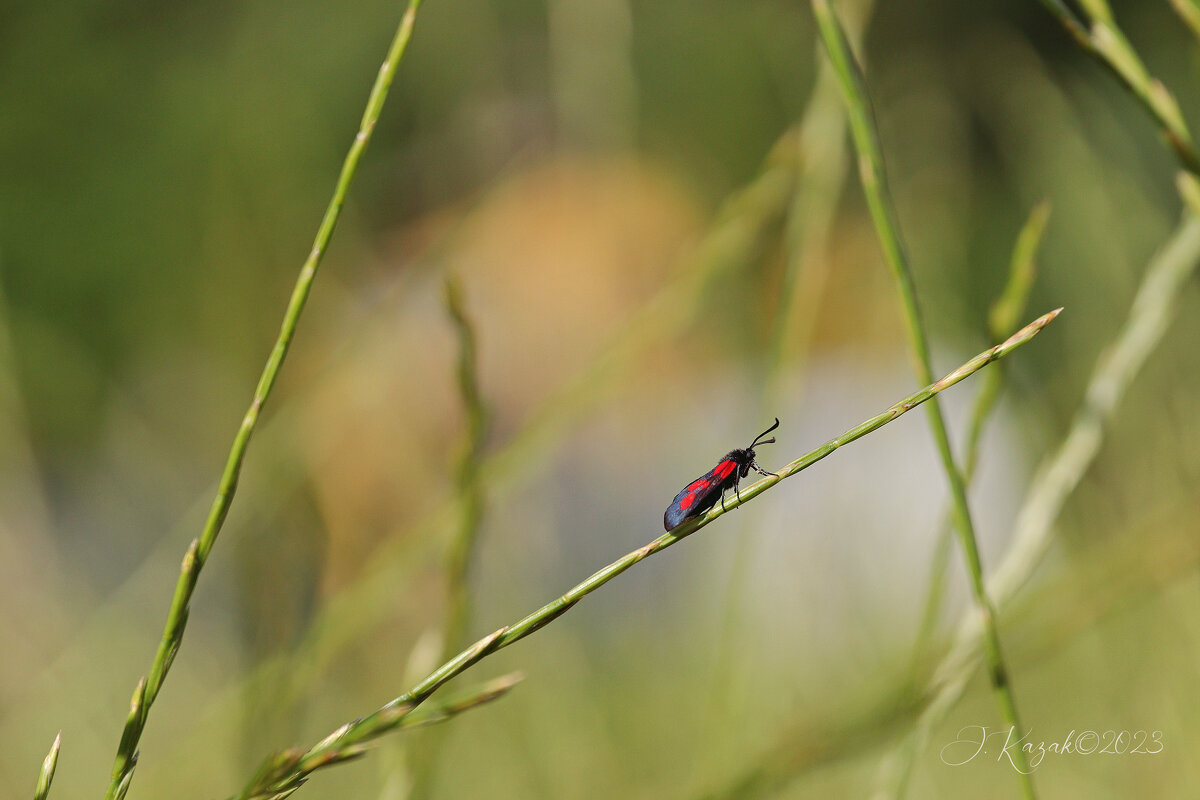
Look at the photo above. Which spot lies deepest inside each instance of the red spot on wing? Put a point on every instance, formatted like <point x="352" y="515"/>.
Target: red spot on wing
<point x="724" y="469"/>
<point x="697" y="485"/>
<point x="687" y="501"/>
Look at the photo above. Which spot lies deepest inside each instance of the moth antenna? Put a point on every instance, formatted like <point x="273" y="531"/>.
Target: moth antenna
<point x="759" y="440"/>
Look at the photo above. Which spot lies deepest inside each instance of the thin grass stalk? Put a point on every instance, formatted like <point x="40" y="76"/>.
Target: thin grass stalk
<point x="1189" y="192"/>
<point x="1058" y="476"/>
<point x="284" y="772"/>
<point x="1189" y="12"/>
<point x="198" y="552"/>
<point x="744" y="220"/>
<point x="1003" y="318"/>
<point x="391" y="715"/>
<point x="468" y="485"/>
<point x="422" y="755"/>
<point x="272" y="433"/>
<point x="1100" y="37"/>
<point x="46" y="776"/>
<point x="874" y="180"/>
<point x="820" y="182"/>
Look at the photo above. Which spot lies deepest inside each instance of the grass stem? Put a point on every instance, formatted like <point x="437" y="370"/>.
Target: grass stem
<point x="198" y="552"/>
<point x="883" y="212"/>
<point x="1100" y="37"/>
<point x="422" y="755"/>
<point x="286" y="771"/>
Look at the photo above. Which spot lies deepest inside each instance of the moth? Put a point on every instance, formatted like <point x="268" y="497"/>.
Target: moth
<point x="703" y="493"/>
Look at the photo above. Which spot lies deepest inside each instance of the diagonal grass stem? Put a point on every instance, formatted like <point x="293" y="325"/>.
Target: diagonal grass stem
<point x="1100" y="37"/>
<point x="392" y="715"/>
<point x="286" y="771"/>
<point x="198" y="552"/>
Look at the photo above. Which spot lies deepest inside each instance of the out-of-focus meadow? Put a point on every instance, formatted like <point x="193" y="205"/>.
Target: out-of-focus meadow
<point x="662" y="244"/>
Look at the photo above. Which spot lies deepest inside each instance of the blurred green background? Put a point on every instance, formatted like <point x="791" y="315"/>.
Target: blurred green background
<point x="163" y="167"/>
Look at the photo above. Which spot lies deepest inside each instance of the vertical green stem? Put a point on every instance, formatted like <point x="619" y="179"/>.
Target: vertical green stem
<point x="423" y="754"/>
<point x="470" y="489"/>
<point x="883" y="213"/>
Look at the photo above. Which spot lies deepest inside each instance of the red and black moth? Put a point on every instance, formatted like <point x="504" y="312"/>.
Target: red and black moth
<point x="703" y="493"/>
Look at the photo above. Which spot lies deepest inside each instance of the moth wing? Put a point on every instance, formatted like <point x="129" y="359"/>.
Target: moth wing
<point x="699" y="495"/>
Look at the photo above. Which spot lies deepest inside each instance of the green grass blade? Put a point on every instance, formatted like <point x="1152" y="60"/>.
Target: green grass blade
<point x="468" y="485"/>
<point x="874" y="180"/>
<point x="48" y="767"/>
<point x="422" y="755"/>
<point x="1189" y="12"/>
<point x="1101" y="38"/>
<point x="199" y="550"/>
<point x="284" y="772"/>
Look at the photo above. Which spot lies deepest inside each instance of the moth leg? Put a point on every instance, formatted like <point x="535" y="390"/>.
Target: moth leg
<point x="763" y="472"/>
<point x="722" y="500"/>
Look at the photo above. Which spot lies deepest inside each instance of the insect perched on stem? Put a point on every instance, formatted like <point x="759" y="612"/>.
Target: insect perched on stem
<point x="703" y="493"/>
